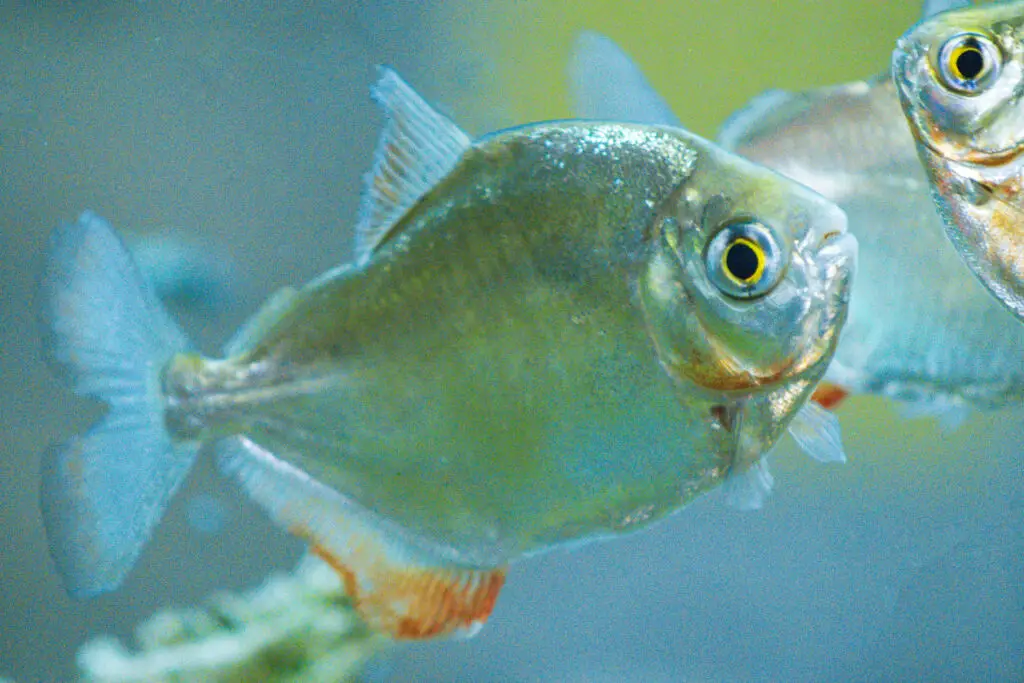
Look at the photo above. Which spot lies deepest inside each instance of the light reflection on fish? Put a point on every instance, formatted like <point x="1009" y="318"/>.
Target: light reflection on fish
<point x="561" y="332"/>
<point x="960" y="77"/>
<point x="920" y="328"/>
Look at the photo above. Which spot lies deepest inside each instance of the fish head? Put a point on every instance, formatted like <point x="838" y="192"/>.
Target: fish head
<point x="748" y="279"/>
<point x="960" y="79"/>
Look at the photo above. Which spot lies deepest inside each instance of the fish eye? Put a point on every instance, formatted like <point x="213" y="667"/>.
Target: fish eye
<point x="969" y="63"/>
<point x="744" y="260"/>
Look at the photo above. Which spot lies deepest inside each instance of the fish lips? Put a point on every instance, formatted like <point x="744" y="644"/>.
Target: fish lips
<point x="836" y="260"/>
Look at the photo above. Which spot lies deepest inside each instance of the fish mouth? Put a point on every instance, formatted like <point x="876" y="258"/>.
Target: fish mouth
<point x="836" y="248"/>
<point x="837" y="260"/>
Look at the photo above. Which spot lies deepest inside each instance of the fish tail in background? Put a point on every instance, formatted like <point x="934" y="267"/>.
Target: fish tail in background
<point x="105" y="490"/>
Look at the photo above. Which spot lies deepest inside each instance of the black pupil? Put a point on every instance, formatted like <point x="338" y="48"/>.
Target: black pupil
<point x="970" y="62"/>
<point x="741" y="261"/>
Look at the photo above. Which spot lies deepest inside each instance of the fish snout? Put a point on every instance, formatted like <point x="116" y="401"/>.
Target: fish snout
<point x="837" y="255"/>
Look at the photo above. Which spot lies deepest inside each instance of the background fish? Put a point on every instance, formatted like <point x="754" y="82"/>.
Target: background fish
<point x="920" y="328"/>
<point x="960" y="77"/>
<point x="561" y="332"/>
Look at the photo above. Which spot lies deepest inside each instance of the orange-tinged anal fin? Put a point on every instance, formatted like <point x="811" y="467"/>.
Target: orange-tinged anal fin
<point x="401" y="584"/>
<point x="418" y="602"/>
<point x="829" y="395"/>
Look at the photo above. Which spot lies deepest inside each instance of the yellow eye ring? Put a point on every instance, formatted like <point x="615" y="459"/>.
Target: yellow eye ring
<point x="969" y="63"/>
<point x="966" y="61"/>
<point x="743" y="262"/>
<point x="744" y="259"/>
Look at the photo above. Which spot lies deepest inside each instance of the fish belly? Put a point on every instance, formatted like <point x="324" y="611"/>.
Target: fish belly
<point x="502" y="432"/>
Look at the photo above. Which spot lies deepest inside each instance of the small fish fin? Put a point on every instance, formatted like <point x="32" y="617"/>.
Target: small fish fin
<point x="949" y="414"/>
<point x="604" y="83"/>
<point x="816" y="431"/>
<point x="258" y="325"/>
<point x="760" y="116"/>
<point x="932" y="7"/>
<point x="749" y="489"/>
<point x="103" y="492"/>
<point x="417" y="148"/>
<point x="400" y="585"/>
<point x="828" y="395"/>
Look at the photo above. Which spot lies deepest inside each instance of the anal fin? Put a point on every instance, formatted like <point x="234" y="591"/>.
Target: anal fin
<point x="400" y="584"/>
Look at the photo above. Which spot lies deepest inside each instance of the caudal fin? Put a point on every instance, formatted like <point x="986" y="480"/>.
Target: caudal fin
<point x="104" y="491"/>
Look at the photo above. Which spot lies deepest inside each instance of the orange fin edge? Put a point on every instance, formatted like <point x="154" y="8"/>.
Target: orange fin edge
<point x="414" y="603"/>
<point x="402" y="585"/>
<point x="829" y="396"/>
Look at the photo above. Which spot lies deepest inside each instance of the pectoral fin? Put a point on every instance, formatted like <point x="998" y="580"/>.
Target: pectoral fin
<point x="748" y="489"/>
<point x="400" y="584"/>
<point x="816" y="431"/>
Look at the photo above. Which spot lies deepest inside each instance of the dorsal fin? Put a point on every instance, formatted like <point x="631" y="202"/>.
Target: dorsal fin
<point x="417" y="148"/>
<point x="604" y="83"/>
<point x="932" y="7"/>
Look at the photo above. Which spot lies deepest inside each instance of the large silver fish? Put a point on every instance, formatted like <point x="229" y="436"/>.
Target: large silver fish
<point x="960" y="77"/>
<point x="560" y="332"/>
<point x="921" y="329"/>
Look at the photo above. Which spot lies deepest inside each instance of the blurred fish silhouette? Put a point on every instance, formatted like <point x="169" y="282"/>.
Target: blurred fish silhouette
<point x="559" y="333"/>
<point x="960" y="77"/>
<point x="920" y="329"/>
<point x="184" y="272"/>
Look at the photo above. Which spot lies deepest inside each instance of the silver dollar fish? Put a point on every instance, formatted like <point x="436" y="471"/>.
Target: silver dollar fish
<point x="960" y="77"/>
<point x="920" y="329"/>
<point x="560" y="332"/>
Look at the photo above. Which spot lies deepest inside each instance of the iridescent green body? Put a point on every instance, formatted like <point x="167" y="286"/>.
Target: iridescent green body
<point x="487" y="377"/>
<point x="560" y="332"/>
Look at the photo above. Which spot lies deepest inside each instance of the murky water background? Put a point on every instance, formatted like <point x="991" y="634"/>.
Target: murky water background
<point x="247" y="131"/>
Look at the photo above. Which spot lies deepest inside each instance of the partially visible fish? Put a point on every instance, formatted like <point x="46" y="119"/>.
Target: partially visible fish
<point x="184" y="272"/>
<point x="921" y="329"/>
<point x="558" y="333"/>
<point x="960" y="77"/>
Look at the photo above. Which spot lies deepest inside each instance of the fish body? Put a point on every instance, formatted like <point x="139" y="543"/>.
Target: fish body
<point x="533" y="348"/>
<point x="960" y="77"/>
<point x="920" y="329"/>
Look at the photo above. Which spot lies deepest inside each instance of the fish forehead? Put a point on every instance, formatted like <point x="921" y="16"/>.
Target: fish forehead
<point x="655" y="156"/>
<point x="993" y="17"/>
<point x="918" y="321"/>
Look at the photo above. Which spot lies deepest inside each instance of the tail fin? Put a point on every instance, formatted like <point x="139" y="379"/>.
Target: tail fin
<point x="104" y="491"/>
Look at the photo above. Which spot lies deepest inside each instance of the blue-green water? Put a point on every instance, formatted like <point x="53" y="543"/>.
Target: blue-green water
<point x="248" y="131"/>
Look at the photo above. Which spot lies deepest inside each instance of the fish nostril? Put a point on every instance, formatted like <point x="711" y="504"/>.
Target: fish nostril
<point x="829" y="236"/>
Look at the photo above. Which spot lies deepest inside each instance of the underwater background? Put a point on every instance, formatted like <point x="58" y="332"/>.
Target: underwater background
<point x="242" y="130"/>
